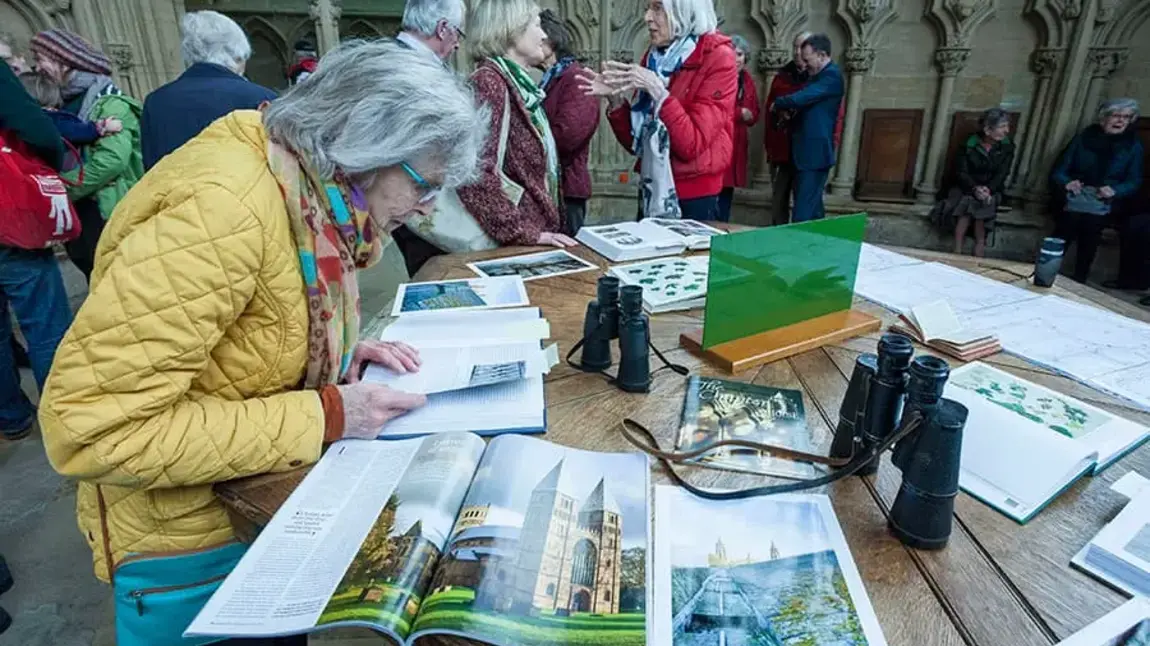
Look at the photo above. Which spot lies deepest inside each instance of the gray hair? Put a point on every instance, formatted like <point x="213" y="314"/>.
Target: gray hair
<point x="993" y="118"/>
<point x="1118" y="105"/>
<point x="741" y="45"/>
<point x="212" y="37"/>
<point x="422" y="16"/>
<point x="494" y="25"/>
<point x="376" y="104"/>
<point x="691" y="17"/>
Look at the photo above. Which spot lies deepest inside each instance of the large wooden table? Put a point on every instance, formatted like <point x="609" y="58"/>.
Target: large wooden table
<point x="997" y="583"/>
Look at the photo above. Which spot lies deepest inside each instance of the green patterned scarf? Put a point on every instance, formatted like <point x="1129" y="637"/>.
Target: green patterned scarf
<point x="532" y="96"/>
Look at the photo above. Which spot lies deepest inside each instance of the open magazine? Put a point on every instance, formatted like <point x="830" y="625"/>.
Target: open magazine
<point x="524" y="542"/>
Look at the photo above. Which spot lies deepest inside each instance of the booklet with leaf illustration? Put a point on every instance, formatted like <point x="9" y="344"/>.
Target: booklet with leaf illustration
<point x="721" y="409"/>
<point x="669" y="284"/>
<point x="521" y="542"/>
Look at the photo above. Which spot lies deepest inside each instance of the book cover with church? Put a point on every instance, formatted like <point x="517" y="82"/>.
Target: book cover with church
<point x="722" y="409"/>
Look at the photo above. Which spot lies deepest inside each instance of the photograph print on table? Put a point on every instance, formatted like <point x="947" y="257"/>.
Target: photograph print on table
<point x="767" y="570"/>
<point x="532" y="266"/>
<point x="460" y="295"/>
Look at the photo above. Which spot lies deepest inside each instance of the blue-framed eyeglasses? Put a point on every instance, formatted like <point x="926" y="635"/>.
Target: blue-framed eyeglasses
<point x="430" y="191"/>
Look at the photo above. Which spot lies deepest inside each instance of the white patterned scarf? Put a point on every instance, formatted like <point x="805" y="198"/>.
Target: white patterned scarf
<point x="651" y="140"/>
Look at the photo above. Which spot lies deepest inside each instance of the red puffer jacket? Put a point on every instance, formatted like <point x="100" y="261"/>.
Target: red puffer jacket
<point x="698" y="117"/>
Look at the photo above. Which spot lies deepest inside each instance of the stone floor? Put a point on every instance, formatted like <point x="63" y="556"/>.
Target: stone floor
<point x="56" y="600"/>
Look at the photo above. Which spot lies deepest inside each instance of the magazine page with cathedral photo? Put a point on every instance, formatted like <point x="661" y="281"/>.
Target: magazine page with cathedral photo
<point x="521" y="542"/>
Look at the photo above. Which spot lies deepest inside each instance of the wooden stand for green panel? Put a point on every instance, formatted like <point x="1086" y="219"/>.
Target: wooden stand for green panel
<point x="780" y="343"/>
<point x="776" y="292"/>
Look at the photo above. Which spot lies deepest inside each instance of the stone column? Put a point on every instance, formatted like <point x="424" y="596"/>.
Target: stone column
<point x="1103" y="62"/>
<point x="326" y="14"/>
<point x="950" y="61"/>
<point x="771" y="60"/>
<point x="859" y="61"/>
<point x="1043" y="62"/>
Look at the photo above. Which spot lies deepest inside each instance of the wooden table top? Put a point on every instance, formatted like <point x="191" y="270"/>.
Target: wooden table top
<point x="997" y="583"/>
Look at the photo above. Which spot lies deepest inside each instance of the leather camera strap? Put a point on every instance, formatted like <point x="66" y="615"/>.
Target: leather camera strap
<point x="105" y="538"/>
<point x="645" y="441"/>
<point x="769" y="449"/>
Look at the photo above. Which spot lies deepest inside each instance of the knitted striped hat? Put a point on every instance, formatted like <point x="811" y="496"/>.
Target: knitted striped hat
<point x="71" y="50"/>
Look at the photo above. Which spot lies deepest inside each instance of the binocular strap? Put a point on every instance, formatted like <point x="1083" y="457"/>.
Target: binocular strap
<point x="678" y="368"/>
<point x="645" y="441"/>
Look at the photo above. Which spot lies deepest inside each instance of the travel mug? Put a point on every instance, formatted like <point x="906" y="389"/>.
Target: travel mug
<point x="1049" y="261"/>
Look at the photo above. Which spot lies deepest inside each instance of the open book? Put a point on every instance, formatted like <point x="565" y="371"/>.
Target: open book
<point x="763" y="570"/>
<point x="1120" y="553"/>
<point x="936" y="325"/>
<point x="482" y="370"/>
<point x="1024" y="444"/>
<point x="526" y="542"/>
<point x="647" y="238"/>
<point x="669" y="284"/>
<point x="1127" y="625"/>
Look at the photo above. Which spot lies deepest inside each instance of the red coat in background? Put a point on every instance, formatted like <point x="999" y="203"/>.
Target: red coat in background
<point x="778" y="140"/>
<point x="698" y="117"/>
<point x="574" y="116"/>
<point x="737" y="172"/>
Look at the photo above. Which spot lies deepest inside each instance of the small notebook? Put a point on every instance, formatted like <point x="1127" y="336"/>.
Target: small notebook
<point x="649" y="238"/>
<point x="935" y="324"/>
<point x="1128" y="625"/>
<point x="1023" y="444"/>
<point x="669" y="284"/>
<point x="1120" y="553"/>
<point x="719" y="409"/>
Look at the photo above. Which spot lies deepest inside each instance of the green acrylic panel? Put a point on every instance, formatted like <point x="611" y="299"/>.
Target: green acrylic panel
<point x="769" y="278"/>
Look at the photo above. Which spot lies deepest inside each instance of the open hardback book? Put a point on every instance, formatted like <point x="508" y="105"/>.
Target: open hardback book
<point x="522" y="542"/>
<point x="1120" y="553"/>
<point x="648" y="238"/>
<point x="1061" y="438"/>
<point x="936" y="325"/>
<point x="482" y="371"/>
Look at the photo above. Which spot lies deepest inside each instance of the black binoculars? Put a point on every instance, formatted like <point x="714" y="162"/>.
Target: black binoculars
<point x="888" y="393"/>
<point x="618" y="314"/>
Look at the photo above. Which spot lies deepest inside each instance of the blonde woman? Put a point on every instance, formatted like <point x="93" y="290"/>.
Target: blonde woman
<point x="516" y="203"/>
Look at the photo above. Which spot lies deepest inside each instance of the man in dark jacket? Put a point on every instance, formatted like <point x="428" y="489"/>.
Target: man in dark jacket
<point x="216" y="52"/>
<point x="30" y="280"/>
<point x="574" y="116"/>
<point x="812" y="138"/>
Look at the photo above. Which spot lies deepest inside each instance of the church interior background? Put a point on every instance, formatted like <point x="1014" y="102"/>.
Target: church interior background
<point x="918" y="74"/>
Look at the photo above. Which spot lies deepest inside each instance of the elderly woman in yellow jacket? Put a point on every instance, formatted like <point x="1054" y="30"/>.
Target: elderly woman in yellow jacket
<point x="219" y="338"/>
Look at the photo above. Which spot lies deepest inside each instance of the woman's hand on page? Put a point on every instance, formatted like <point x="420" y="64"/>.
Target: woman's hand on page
<point x="368" y="407"/>
<point x="393" y="355"/>
<point x="557" y="240"/>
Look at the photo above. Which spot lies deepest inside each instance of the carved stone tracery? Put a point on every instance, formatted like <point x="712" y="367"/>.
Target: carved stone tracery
<point x="864" y="19"/>
<point x="1105" y="61"/>
<point x="957" y="20"/>
<point x="120" y="55"/>
<point x="951" y="60"/>
<point x="772" y="59"/>
<point x="859" y="60"/>
<point x="1044" y="62"/>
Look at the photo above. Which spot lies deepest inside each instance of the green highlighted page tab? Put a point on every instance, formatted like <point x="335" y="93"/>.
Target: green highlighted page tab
<point x="769" y="278"/>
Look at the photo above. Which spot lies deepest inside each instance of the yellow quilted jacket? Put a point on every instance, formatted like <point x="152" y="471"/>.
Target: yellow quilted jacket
<point x="178" y="370"/>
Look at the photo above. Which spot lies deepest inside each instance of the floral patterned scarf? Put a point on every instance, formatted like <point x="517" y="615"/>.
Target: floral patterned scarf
<point x="335" y="238"/>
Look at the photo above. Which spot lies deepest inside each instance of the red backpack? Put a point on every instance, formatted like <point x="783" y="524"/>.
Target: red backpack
<point x="35" y="211"/>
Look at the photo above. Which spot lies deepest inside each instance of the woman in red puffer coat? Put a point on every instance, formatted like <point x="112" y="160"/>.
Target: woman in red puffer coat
<point x="674" y="109"/>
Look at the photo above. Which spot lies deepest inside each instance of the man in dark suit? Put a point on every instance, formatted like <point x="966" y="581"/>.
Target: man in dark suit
<point x="812" y="137"/>
<point x="216" y="52"/>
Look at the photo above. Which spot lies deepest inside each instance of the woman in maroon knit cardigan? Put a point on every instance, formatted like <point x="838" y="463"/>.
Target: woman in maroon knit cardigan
<point x="574" y="116"/>
<point x="517" y="204"/>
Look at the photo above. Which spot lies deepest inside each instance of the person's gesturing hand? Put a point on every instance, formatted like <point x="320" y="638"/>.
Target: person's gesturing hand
<point x="367" y="407"/>
<point x="393" y="355"/>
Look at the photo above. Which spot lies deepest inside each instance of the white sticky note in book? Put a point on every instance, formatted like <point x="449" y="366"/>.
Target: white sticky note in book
<point x="1131" y="485"/>
<point x="551" y="353"/>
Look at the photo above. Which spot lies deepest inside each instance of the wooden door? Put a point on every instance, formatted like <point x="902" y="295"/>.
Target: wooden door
<point x="887" y="154"/>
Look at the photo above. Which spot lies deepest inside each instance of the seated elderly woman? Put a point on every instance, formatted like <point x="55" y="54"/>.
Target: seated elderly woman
<point x="1100" y="168"/>
<point x="982" y="167"/>
<point x="683" y="94"/>
<point x="516" y="198"/>
<point x="220" y="336"/>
